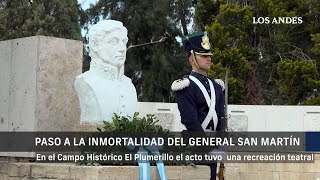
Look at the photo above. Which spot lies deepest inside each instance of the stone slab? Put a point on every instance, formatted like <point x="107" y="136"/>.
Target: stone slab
<point x="59" y="62"/>
<point x="289" y="175"/>
<point x="115" y="172"/>
<point x="23" y="77"/>
<point x="53" y="171"/>
<point x="37" y="75"/>
<point x="5" y="56"/>
<point x="306" y="176"/>
<point x="201" y="172"/>
<point x="21" y="170"/>
<point x="84" y="172"/>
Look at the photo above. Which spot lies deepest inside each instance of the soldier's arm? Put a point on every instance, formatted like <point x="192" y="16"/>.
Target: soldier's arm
<point x="221" y="111"/>
<point x="188" y="110"/>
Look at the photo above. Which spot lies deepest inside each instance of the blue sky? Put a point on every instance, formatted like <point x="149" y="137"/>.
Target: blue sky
<point x="86" y="3"/>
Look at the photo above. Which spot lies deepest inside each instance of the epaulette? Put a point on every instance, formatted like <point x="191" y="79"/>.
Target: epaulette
<point x="221" y="83"/>
<point x="180" y="84"/>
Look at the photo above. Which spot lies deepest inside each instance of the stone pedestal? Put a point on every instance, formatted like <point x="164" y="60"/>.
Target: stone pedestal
<point x="37" y="75"/>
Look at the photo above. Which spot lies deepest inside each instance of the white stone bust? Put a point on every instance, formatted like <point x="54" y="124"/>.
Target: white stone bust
<point x="104" y="89"/>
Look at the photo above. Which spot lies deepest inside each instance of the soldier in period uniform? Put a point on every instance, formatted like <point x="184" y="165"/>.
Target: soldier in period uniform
<point x="200" y="99"/>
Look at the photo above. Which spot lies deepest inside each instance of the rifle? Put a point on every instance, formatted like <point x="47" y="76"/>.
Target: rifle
<point x="225" y="123"/>
<point x="221" y="171"/>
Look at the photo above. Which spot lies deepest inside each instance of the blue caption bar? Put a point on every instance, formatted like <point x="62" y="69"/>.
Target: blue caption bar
<point x="312" y="141"/>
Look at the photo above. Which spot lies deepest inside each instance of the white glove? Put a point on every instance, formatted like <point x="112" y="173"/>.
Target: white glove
<point x="220" y="82"/>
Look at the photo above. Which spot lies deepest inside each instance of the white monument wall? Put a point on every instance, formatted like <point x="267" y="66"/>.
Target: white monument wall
<point x="246" y="117"/>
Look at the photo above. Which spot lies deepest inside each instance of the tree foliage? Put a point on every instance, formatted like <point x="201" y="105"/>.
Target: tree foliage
<point x="297" y="81"/>
<point x="23" y="18"/>
<point x="231" y="32"/>
<point x="261" y="58"/>
<point x="281" y="42"/>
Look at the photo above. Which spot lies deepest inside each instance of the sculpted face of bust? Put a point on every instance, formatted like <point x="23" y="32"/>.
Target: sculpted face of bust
<point x="108" y="42"/>
<point x="104" y="89"/>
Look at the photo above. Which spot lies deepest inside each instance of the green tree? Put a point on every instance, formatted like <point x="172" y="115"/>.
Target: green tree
<point x="152" y="68"/>
<point x="205" y="12"/>
<point x="267" y="47"/>
<point x="285" y="41"/>
<point x="233" y="45"/>
<point x="314" y="99"/>
<point x="296" y="81"/>
<point x="22" y="18"/>
<point x="315" y="50"/>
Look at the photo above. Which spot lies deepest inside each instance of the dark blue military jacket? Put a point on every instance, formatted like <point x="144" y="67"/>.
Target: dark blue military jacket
<point x="193" y="106"/>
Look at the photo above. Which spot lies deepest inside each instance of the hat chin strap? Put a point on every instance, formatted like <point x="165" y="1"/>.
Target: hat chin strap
<point x="196" y="61"/>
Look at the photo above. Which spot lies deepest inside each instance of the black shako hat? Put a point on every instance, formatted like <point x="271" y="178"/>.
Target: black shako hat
<point x="198" y="42"/>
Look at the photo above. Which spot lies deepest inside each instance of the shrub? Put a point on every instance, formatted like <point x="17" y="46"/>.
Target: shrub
<point x="134" y="124"/>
